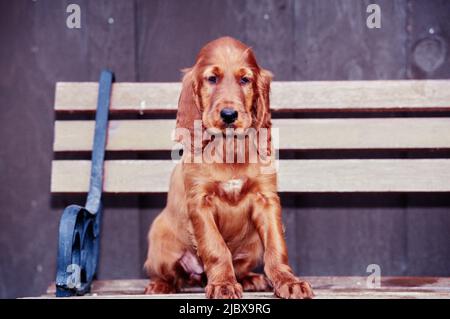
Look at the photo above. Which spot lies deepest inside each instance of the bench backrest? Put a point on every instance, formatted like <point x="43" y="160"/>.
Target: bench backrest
<point x="364" y="116"/>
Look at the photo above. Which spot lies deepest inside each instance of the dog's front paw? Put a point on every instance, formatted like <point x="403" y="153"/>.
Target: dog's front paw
<point x="293" y="288"/>
<point x="225" y="290"/>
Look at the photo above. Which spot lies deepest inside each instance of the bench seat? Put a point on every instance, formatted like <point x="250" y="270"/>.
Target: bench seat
<point x="325" y="287"/>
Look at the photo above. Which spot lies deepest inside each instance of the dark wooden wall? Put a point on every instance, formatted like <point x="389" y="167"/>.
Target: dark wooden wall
<point x="405" y="234"/>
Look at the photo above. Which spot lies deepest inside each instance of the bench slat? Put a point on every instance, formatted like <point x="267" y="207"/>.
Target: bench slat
<point x="302" y="134"/>
<point x="319" y="294"/>
<point x="401" y="95"/>
<point x="380" y="175"/>
<point x="123" y="135"/>
<point x="324" y="287"/>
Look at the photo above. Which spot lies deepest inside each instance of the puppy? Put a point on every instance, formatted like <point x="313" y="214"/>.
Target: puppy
<point x="223" y="213"/>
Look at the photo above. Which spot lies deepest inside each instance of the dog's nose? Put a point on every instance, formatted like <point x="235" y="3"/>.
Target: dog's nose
<point x="228" y="115"/>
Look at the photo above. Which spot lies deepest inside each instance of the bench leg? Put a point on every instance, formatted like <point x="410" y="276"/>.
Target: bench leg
<point x="79" y="229"/>
<point x="78" y="251"/>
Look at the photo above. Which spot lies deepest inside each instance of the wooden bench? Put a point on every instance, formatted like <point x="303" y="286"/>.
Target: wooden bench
<point x="354" y="115"/>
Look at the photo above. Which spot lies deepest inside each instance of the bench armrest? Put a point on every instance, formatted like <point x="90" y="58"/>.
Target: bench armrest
<point x="79" y="229"/>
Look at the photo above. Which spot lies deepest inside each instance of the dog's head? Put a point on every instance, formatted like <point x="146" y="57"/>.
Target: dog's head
<point x="226" y="88"/>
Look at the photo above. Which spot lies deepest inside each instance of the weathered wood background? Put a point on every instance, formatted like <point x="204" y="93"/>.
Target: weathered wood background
<point x="406" y="234"/>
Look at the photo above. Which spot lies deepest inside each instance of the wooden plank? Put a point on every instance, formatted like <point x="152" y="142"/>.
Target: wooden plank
<point x="386" y="175"/>
<point x="271" y="22"/>
<point x="324" y="288"/>
<point x="121" y="176"/>
<point x="428" y="231"/>
<point x="352" y="229"/>
<point x="302" y="134"/>
<point x="400" y="95"/>
<point x="175" y="32"/>
<point x="428" y="32"/>
<point x="349" y="50"/>
<point x="131" y="135"/>
<point x="140" y="97"/>
<point x="319" y="294"/>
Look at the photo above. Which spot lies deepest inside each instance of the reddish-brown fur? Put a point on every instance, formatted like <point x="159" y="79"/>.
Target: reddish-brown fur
<point x="207" y="232"/>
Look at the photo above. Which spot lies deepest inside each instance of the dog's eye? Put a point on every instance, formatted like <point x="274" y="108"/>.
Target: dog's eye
<point x="212" y="79"/>
<point x="244" y="80"/>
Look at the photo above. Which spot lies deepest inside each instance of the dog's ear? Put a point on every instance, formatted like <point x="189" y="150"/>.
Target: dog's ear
<point x="262" y="103"/>
<point x="188" y="103"/>
<point x="262" y="113"/>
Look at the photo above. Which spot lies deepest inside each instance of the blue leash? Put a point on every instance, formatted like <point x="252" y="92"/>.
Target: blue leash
<point x="79" y="228"/>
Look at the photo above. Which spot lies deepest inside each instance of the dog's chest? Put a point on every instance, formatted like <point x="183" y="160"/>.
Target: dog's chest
<point x="232" y="186"/>
<point x="232" y="210"/>
<point x="232" y="190"/>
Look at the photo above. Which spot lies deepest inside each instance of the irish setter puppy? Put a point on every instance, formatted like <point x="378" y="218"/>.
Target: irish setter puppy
<point x="222" y="218"/>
